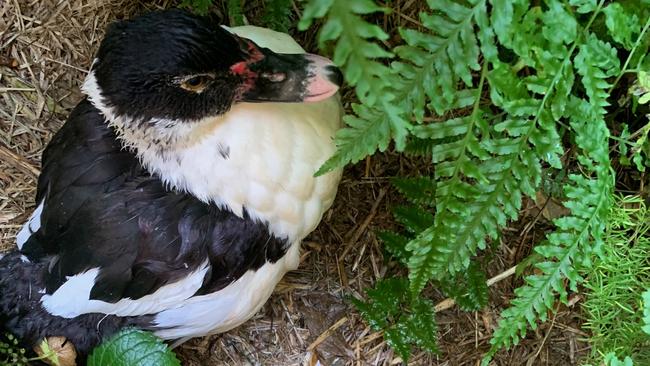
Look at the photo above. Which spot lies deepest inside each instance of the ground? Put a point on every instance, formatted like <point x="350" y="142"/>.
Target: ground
<point x="46" y="46"/>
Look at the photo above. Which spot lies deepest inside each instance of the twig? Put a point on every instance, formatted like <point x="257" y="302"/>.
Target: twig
<point x="327" y="333"/>
<point x="18" y="162"/>
<point x="548" y="332"/>
<point x="364" y="224"/>
<point x="449" y="303"/>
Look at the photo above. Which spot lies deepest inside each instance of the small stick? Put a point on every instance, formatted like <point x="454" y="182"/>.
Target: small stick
<point x="449" y="303"/>
<point x="364" y="224"/>
<point x="18" y="162"/>
<point x="327" y="333"/>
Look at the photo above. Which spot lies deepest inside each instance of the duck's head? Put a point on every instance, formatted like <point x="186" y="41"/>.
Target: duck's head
<point x="167" y="70"/>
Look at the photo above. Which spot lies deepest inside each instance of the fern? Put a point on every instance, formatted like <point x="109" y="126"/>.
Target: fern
<point x="379" y="119"/>
<point x="199" y="6"/>
<point x="420" y="190"/>
<point x="580" y="234"/>
<point x="235" y="13"/>
<point x="277" y="15"/>
<point x="405" y="321"/>
<point x="469" y="289"/>
<point x="490" y="92"/>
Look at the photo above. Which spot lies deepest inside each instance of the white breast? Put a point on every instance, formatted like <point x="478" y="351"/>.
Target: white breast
<point x="262" y="157"/>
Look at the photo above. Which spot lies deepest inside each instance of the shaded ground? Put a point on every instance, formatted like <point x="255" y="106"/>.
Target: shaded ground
<point x="46" y="47"/>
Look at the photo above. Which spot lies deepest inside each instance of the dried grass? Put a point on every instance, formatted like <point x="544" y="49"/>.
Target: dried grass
<point x="45" y="48"/>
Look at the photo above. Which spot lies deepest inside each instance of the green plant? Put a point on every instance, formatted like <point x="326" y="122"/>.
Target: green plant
<point x="132" y="347"/>
<point x="11" y="353"/>
<point x="405" y="322"/>
<point x="496" y="99"/>
<point x="199" y="6"/>
<point x="612" y="310"/>
<point x="276" y="13"/>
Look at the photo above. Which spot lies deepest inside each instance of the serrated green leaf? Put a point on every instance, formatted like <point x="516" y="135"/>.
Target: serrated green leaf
<point x="132" y="347"/>
<point x="395" y="244"/>
<point x="559" y="25"/>
<point x="420" y="190"/>
<point x="622" y="25"/>
<point x="406" y="321"/>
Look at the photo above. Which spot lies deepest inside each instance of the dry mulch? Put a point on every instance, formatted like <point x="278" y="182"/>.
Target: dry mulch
<point x="46" y="47"/>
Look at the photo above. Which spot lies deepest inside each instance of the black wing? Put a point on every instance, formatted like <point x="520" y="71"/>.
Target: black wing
<point x="103" y="209"/>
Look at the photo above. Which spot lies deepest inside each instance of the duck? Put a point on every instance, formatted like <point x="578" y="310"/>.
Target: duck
<point x="177" y="193"/>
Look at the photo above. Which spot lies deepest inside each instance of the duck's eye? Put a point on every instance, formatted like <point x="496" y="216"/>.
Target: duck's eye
<point x="196" y="83"/>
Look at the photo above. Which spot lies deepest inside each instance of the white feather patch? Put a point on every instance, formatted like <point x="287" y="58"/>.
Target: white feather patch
<point x="31" y="226"/>
<point x="73" y="297"/>
<point x="228" y="308"/>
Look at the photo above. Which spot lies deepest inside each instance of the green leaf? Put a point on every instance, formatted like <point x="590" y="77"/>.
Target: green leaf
<point x="277" y="15"/>
<point x="312" y="11"/>
<point x="406" y="321"/>
<point x="236" y="13"/>
<point x="621" y="25"/>
<point x="610" y="359"/>
<point x="584" y="6"/>
<point x="646" y="312"/>
<point x="414" y="218"/>
<point x="365" y="134"/>
<point x="469" y="289"/>
<point x="420" y="190"/>
<point x="200" y="7"/>
<point x="132" y="347"/>
<point x="395" y="244"/>
<point x="559" y="25"/>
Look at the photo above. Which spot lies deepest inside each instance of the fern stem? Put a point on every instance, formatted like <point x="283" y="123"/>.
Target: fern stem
<point x="629" y="57"/>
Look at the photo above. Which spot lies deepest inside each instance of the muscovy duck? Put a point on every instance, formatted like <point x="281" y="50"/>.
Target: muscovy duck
<point x="176" y="195"/>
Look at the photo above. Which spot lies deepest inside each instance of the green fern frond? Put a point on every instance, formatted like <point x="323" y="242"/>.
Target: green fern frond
<point x="235" y="12"/>
<point x="277" y="15"/>
<point x="395" y="244"/>
<point x="381" y="118"/>
<point x="622" y="25"/>
<point x="438" y="59"/>
<point x="355" y="49"/>
<point x="367" y="131"/>
<point x="406" y="321"/>
<point x="469" y="289"/>
<point x="198" y="6"/>
<point x="420" y="190"/>
<point x="579" y="235"/>
<point x="413" y="218"/>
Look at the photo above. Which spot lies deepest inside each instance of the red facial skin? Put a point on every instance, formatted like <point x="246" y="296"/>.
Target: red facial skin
<point x="242" y="68"/>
